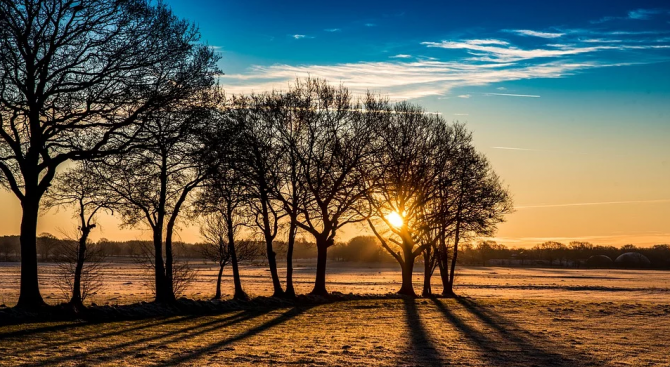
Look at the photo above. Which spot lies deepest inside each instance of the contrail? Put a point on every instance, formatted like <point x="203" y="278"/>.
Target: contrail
<point x="589" y="204"/>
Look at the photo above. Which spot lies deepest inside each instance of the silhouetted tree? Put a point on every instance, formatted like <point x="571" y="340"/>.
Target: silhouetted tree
<point x="218" y="248"/>
<point x="81" y="189"/>
<point x="150" y="183"/>
<point x="332" y="152"/>
<point x="402" y="181"/>
<point x="77" y="79"/>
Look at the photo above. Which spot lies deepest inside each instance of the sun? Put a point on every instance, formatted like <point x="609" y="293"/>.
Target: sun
<point x="395" y="219"/>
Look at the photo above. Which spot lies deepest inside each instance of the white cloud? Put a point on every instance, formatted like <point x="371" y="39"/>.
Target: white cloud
<point x="298" y="36"/>
<point x="487" y="42"/>
<point x="501" y="88"/>
<point x="512" y="95"/>
<point x="401" y="56"/>
<point x="332" y="30"/>
<point x="527" y="32"/>
<point x="466" y="96"/>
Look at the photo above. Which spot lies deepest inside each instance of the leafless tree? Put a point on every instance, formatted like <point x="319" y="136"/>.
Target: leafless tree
<point x="217" y="246"/>
<point x="402" y="182"/>
<point x="79" y="272"/>
<point x="151" y="183"/>
<point x="81" y="189"/>
<point x="77" y="80"/>
<point x="332" y="151"/>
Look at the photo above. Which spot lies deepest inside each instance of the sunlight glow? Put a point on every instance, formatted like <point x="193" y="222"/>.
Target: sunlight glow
<point x="395" y="219"/>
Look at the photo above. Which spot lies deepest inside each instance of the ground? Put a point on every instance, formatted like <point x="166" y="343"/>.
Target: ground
<point x="506" y="317"/>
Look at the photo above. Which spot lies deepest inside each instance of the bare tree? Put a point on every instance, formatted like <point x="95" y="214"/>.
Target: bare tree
<point x="332" y="151"/>
<point x="402" y="182"/>
<point x="217" y="246"/>
<point x="471" y="202"/>
<point x="81" y="189"/>
<point x="79" y="272"/>
<point x="224" y="194"/>
<point x="257" y="157"/>
<point x="151" y="183"/>
<point x="77" y="79"/>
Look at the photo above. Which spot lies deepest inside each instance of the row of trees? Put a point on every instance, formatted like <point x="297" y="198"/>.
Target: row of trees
<point x="109" y="105"/>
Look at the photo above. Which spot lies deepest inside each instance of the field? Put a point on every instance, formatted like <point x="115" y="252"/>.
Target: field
<point x="506" y="317"/>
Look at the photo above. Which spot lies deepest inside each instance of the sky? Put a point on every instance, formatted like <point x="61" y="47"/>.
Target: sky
<point x="569" y="100"/>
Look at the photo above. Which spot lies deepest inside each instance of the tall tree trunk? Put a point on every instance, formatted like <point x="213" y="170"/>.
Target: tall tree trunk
<point x="290" y="290"/>
<point x="162" y="292"/>
<point x="218" y="283"/>
<point x="272" y="256"/>
<point x="76" y="301"/>
<point x="407" y="287"/>
<point x="427" y="272"/>
<point x="239" y="292"/>
<point x="321" y="259"/>
<point x="169" y="268"/>
<point x="29" y="297"/>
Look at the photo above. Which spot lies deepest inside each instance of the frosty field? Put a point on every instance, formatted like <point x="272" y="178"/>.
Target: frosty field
<point x="506" y="317"/>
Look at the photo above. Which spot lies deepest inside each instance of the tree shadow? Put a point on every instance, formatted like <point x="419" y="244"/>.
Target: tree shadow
<point x="189" y="356"/>
<point x="508" y="335"/>
<point x="119" y="350"/>
<point x="422" y="348"/>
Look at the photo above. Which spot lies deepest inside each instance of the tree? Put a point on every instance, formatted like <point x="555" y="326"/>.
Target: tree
<point x="219" y="248"/>
<point x="77" y="79"/>
<point x="258" y="161"/>
<point x="332" y="152"/>
<point x="224" y="194"/>
<point x="150" y="183"/>
<point x="82" y="190"/>
<point x="402" y="182"/>
<point x="471" y="201"/>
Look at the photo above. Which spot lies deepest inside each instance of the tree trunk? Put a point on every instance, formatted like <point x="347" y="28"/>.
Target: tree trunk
<point x="290" y="291"/>
<point x="321" y="258"/>
<point x="29" y="297"/>
<point x="218" y="283"/>
<point x="169" y="269"/>
<point x="427" y="273"/>
<point x="162" y="292"/>
<point x="76" y="301"/>
<point x="407" y="287"/>
<point x="239" y="292"/>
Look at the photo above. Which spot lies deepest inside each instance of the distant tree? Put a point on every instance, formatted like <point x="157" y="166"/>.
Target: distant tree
<point x="81" y="189"/>
<point x="46" y="245"/>
<point x="77" y="80"/>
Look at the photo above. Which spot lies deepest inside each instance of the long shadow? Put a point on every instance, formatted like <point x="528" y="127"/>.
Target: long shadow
<point x="112" y="352"/>
<point x="508" y="331"/>
<point x="286" y="316"/>
<point x="117" y="331"/>
<point x="423" y="350"/>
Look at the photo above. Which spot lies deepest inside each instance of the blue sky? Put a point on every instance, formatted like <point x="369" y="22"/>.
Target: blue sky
<point x="570" y="100"/>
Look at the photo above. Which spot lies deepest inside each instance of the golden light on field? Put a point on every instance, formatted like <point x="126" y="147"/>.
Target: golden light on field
<point x="395" y="219"/>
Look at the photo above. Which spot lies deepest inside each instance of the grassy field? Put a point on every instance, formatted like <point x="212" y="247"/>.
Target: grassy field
<point x="510" y="317"/>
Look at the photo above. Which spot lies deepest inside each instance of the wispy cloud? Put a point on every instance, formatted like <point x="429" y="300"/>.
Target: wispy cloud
<point x="370" y="25"/>
<point x="529" y="33"/>
<point x="482" y="61"/>
<point x="513" y="148"/>
<point x="501" y="88"/>
<point x="638" y="14"/>
<point x="461" y="114"/>
<point x="465" y="96"/>
<point x="512" y="95"/>
<point x="332" y="30"/>
<point x="594" y="203"/>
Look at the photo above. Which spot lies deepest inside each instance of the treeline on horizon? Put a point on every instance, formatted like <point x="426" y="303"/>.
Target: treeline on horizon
<point x="367" y="250"/>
